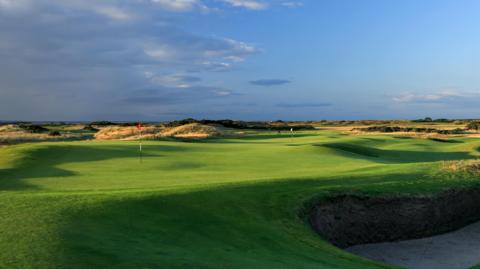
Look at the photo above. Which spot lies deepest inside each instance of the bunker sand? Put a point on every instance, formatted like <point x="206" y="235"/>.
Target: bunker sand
<point x="455" y="250"/>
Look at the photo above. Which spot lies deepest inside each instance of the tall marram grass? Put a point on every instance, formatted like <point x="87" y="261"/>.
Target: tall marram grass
<point x="463" y="166"/>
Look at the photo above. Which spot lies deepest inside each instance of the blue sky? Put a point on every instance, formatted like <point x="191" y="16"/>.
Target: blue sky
<point x="243" y="59"/>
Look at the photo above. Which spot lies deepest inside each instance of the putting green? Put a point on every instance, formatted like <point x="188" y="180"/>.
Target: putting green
<point x="223" y="203"/>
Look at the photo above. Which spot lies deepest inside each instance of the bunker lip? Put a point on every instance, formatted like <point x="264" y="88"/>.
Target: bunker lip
<point x="347" y="219"/>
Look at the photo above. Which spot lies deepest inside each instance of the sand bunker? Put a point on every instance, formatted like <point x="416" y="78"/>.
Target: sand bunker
<point x="454" y="250"/>
<point x="350" y="220"/>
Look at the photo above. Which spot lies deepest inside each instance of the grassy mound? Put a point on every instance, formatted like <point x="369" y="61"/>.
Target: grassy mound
<point x="192" y="130"/>
<point x="226" y="203"/>
<point x="464" y="166"/>
<point x="355" y="149"/>
<point x="444" y="140"/>
<point x="14" y="134"/>
<point x="127" y="133"/>
<point x="396" y="129"/>
<point x="386" y="154"/>
<point x="10" y="128"/>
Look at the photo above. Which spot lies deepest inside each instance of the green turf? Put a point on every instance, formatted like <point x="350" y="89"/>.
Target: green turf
<point x="220" y="203"/>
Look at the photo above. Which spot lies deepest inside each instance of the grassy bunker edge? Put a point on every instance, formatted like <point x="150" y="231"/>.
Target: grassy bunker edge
<point x="351" y="219"/>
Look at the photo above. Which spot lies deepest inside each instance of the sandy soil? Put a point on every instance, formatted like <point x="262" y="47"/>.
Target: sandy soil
<point x="455" y="250"/>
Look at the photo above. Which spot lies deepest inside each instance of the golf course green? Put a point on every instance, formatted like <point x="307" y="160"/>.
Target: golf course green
<point x="214" y="203"/>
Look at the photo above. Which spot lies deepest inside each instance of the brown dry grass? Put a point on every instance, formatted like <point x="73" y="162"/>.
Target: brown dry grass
<point x="405" y="134"/>
<point x="13" y="134"/>
<point x="465" y="166"/>
<point x="471" y="134"/>
<point x="10" y="128"/>
<point x="193" y="130"/>
<point x="127" y="133"/>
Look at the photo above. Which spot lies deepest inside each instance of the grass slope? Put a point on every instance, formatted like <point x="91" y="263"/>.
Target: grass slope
<point x="221" y="203"/>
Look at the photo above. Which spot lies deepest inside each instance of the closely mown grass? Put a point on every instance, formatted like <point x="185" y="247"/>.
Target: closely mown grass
<point x="218" y="203"/>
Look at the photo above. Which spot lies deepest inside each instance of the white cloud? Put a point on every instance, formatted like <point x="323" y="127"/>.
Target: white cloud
<point x="216" y="66"/>
<point x="113" y="13"/>
<point x="112" y="10"/>
<point x="178" y="5"/>
<point x="162" y="53"/>
<point x="223" y="93"/>
<point x="174" y="80"/>
<point x="292" y="4"/>
<point x="14" y="5"/>
<point x="248" y="4"/>
<point x="162" y="95"/>
<point x="438" y="97"/>
<point x="60" y="55"/>
<point x="200" y="54"/>
<point x="234" y="59"/>
<point x="124" y="9"/>
<point x="241" y="47"/>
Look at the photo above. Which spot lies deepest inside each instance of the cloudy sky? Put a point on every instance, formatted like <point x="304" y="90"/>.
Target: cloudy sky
<point x="243" y="59"/>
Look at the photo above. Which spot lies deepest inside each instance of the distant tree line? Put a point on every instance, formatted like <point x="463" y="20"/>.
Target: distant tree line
<point x="428" y="119"/>
<point x="236" y="124"/>
<point x="473" y="125"/>
<point x="33" y="128"/>
<point x="395" y="129"/>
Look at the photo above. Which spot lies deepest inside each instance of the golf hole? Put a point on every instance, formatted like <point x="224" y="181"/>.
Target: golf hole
<point x="438" y="231"/>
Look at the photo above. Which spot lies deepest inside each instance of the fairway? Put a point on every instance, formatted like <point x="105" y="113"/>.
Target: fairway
<point x="239" y="134"/>
<point x="214" y="203"/>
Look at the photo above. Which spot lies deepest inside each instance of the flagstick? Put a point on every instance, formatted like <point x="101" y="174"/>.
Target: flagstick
<point x="140" y="140"/>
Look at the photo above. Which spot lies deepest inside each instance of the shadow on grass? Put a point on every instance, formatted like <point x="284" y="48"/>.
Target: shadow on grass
<point x="21" y="140"/>
<point x="249" y="226"/>
<point x="353" y="150"/>
<point x="442" y="140"/>
<point x="43" y="161"/>
<point x="402" y="137"/>
<point x="261" y="137"/>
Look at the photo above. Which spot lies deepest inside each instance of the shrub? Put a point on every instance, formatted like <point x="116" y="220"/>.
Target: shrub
<point x="393" y="129"/>
<point x="54" y="133"/>
<point x="34" y="128"/>
<point x="90" y="128"/>
<point x="102" y="123"/>
<point x="234" y="124"/>
<point x="427" y="119"/>
<point x="454" y="131"/>
<point x="128" y="124"/>
<point x="466" y="166"/>
<point x="473" y="125"/>
<point x="443" y="120"/>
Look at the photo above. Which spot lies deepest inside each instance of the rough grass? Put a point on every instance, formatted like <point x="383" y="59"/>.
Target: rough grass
<point x="217" y="203"/>
<point x="14" y="134"/>
<point x="355" y="148"/>
<point x="10" y="128"/>
<point x="192" y="130"/>
<point x="127" y="133"/>
<point x="465" y="166"/>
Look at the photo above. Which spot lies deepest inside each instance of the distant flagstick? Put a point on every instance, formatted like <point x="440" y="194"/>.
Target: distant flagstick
<point x="139" y="127"/>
